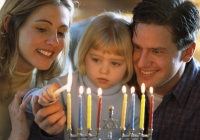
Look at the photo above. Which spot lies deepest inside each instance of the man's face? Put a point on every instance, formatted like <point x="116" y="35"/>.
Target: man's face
<point x="156" y="59"/>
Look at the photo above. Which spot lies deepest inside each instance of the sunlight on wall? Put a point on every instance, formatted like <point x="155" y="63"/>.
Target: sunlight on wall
<point x="1" y="3"/>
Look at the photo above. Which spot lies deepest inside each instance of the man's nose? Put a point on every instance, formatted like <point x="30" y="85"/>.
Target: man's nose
<point x="144" y="60"/>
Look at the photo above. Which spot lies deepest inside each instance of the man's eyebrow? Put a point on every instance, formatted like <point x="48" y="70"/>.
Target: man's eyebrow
<point x="43" y="20"/>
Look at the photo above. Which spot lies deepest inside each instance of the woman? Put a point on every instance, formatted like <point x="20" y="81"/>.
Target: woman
<point x="33" y="33"/>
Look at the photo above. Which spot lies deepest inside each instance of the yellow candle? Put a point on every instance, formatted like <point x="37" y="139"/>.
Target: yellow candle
<point x="124" y="104"/>
<point x="89" y="111"/>
<point x="68" y="111"/>
<point x="69" y="98"/>
<point x="142" y="107"/>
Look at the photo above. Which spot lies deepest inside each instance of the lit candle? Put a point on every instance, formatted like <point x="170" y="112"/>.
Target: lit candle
<point x="68" y="108"/>
<point x="69" y="80"/>
<point x="151" y="106"/>
<point x="89" y="105"/>
<point x="124" y="104"/>
<point x="133" y="107"/>
<point x="80" y="107"/>
<point x="99" y="107"/>
<point x="142" y="107"/>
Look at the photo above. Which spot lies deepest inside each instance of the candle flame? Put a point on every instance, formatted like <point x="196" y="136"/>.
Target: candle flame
<point x="68" y="88"/>
<point x="81" y="90"/>
<point x="124" y="89"/>
<point x="88" y="91"/>
<point x="99" y="91"/>
<point x="132" y="90"/>
<point x="69" y="80"/>
<point x="143" y="88"/>
<point x="151" y="90"/>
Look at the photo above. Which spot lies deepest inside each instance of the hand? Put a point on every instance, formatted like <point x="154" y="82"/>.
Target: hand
<point x="47" y="94"/>
<point x="51" y="119"/>
<point x="20" y="128"/>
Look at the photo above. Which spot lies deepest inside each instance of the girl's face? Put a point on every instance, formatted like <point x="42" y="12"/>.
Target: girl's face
<point x="105" y="69"/>
<point x="42" y="37"/>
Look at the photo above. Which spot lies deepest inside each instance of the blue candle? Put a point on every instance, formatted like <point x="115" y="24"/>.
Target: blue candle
<point x="133" y="107"/>
<point x="80" y="107"/>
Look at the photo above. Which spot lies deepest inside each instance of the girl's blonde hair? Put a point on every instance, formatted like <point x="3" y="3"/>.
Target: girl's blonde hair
<point x="110" y="32"/>
<point x="20" y="10"/>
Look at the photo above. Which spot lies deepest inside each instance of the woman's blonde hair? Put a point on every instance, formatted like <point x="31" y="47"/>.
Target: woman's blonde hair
<point x="110" y="32"/>
<point x="20" y="10"/>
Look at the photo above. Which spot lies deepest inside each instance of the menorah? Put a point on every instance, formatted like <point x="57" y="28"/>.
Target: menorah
<point x="110" y="124"/>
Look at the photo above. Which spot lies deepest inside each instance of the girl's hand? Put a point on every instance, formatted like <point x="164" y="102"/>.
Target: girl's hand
<point x="47" y="94"/>
<point x="20" y="128"/>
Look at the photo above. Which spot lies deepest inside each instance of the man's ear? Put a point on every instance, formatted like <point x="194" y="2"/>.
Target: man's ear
<point x="6" y="21"/>
<point x="189" y="52"/>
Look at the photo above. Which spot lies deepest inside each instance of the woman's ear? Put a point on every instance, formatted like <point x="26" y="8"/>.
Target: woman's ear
<point x="189" y="52"/>
<point x="6" y="21"/>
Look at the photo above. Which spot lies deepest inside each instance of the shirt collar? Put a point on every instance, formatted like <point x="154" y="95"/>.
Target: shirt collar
<point x="181" y="91"/>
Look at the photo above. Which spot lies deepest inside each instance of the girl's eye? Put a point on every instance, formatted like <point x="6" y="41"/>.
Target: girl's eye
<point x="115" y="64"/>
<point x="96" y="59"/>
<point x="41" y="29"/>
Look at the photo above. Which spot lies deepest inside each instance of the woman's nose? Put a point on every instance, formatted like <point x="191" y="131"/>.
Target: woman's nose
<point x="53" y="40"/>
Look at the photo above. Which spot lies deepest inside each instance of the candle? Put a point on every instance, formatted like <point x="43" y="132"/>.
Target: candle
<point x="69" y="83"/>
<point x="124" y="104"/>
<point x="133" y="107"/>
<point x="99" y="107"/>
<point x="80" y="107"/>
<point x="151" y="106"/>
<point x="89" y="105"/>
<point x="68" y="108"/>
<point x="142" y="107"/>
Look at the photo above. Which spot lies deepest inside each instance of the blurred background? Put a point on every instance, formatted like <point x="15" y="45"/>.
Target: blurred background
<point x="89" y="8"/>
<point x="85" y="10"/>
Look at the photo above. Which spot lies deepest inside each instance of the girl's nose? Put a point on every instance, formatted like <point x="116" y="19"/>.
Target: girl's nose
<point x="104" y="69"/>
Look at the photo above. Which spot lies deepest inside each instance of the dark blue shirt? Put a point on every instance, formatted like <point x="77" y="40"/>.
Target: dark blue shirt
<point x="178" y="115"/>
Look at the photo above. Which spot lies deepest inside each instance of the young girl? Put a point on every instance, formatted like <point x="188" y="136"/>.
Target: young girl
<point x="104" y="60"/>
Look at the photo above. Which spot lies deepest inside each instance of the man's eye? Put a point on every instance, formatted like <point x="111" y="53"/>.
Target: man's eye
<point x="157" y="51"/>
<point x="136" y="47"/>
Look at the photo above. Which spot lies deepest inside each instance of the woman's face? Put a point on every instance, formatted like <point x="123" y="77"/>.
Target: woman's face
<point x="42" y="37"/>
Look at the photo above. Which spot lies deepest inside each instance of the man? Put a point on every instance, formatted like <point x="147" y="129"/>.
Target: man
<point x="164" y="35"/>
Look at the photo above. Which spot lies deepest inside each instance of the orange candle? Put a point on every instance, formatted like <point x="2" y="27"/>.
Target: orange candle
<point x="151" y="106"/>
<point x="99" y="107"/>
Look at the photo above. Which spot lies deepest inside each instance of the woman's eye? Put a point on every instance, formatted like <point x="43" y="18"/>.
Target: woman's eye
<point x="41" y="29"/>
<point x="61" y="34"/>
